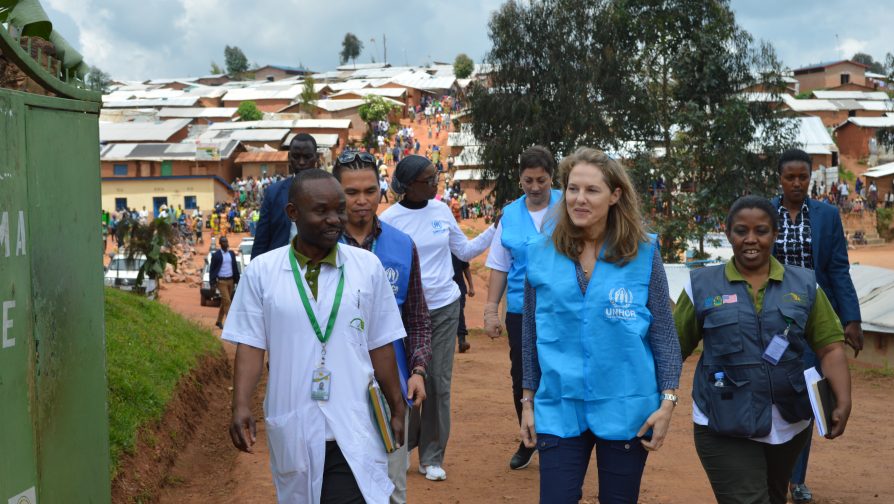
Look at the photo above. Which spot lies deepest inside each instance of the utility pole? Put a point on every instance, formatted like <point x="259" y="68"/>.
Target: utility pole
<point x="385" y="49"/>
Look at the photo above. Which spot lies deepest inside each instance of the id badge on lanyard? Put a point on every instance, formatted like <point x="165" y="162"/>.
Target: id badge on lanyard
<point x="777" y="347"/>
<point x="321" y="378"/>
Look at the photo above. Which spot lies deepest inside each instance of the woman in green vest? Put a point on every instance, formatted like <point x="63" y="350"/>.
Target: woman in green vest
<point x="756" y="317"/>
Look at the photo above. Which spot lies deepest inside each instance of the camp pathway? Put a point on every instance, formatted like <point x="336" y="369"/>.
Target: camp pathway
<point x="853" y="469"/>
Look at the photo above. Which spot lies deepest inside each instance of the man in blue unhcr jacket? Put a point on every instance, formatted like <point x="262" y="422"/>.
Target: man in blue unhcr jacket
<point x="273" y="228"/>
<point x="356" y="171"/>
<point x="811" y="236"/>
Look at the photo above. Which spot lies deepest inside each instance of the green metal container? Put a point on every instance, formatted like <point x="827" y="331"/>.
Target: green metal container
<point x="54" y="444"/>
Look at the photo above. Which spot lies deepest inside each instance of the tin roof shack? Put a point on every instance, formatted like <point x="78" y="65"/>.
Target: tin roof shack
<point x="268" y="98"/>
<point x="199" y="115"/>
<point x="349" y="109"/>
<point x="883" y="176"/>
<point x="142" y="174"/>
<point x="261" y="163"/>
<point x="279" y="72"/>
<point x="830" y="74"/>
<point x="857" y="141"/>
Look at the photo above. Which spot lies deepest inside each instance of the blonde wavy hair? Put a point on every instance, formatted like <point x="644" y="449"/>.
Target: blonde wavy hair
<point x="624" y="230"/>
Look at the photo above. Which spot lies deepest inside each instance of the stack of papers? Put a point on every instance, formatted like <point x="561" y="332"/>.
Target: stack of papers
<point x="822" y="400"/>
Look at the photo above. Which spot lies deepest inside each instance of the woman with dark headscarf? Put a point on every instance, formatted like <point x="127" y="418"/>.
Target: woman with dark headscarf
<point x="436" y="234"/>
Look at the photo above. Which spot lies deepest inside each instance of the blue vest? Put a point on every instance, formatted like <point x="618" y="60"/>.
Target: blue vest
<point x="598" y="372"/>
<point x="735" y="337"/>
<point x="394" y="249"/>
<point x="518" y="230"/>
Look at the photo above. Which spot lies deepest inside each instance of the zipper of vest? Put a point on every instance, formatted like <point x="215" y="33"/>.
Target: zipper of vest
<point x="760" y="337"/>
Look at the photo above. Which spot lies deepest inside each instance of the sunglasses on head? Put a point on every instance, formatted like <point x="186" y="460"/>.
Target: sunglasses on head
<point x="349" y="157"/>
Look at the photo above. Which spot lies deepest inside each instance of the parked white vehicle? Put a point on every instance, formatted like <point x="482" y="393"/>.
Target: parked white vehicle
<point x="244" y="252"/>
<point x="122" y="273"/>
<point x="208" y="296"/>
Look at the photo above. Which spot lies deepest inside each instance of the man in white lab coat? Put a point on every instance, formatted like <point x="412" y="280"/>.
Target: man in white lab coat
<point x="326" y="316"/>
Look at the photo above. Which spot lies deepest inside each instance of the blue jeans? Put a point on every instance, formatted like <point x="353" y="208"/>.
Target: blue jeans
<point x="799" y="474"/>
<point x="564" y="461"/>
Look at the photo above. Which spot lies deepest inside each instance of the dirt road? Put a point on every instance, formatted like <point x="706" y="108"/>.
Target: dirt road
<point x="853" y="469"/>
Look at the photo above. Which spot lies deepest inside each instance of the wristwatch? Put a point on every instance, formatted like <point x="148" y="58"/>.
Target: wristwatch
<point x="670" y="397"/>
<point x="421" y="372"/>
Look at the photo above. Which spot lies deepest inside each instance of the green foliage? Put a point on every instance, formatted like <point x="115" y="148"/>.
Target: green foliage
<point x="375" y="108"/>
<point x="657" y="82"/>
<point x="248" y="111"/>
<point x="153" y="240"/>
<point x="235" y="60"/>
<point x="351" y="47"/>
<point x="149" y="349"/>
<point x="308" y="96"/>
<point x="884" y="218"/>
<point x="804" y="95"/>
<point x="868" y="60"/>
<point x="97" y="80"/>
<point x="463" y="66"/>
<point x="215" y="69"/>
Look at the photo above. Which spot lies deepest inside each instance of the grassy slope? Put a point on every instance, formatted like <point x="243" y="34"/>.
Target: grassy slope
<point x="148" y="349"/>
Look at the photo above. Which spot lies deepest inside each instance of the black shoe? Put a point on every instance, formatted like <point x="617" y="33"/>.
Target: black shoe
<point x="218" y="324"/>
<point x="464" y="346"/>
<point x="522" y="457"/>
<point x="801" y="494"/>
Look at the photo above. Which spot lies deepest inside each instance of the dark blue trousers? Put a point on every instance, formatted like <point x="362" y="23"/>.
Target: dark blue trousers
<point x="564" y="461"/>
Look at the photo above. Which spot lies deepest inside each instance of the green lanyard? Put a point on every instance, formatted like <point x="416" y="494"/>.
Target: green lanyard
<point x="336" y="304"/>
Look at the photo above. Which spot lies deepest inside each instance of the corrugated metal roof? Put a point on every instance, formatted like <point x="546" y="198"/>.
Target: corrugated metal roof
<point x="424" y="81"/>
<point x="322" y="123"/>
<point x="880" y="171"/>
<point x="258" y="93"/>
<point x="338" y="105"/>
<point x="808" y="105"/>
<point x="877" y="106"/>
<point x="850" y="95"/>
<point x="161" y="151"/>
<point x="263" y="124"/>
<point x="263" y="157"/>
<point x="140" y="131"/>
<point x="184" y="101"/>
<point x="197" y="112"/>
<point x="871" y="122"/>
<point x="327" y="140"/>
<point x="814" y="137"/>
<point x="378" y="73"/>
<point x="386" y="92"/>
<point x="259" y="135"/>
<point x="875" y="289"/>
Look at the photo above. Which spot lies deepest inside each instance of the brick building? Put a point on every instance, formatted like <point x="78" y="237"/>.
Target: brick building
<point x="830" y="74"/>
<point x="856" y="140"/>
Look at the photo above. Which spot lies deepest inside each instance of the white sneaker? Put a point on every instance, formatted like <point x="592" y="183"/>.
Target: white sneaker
<point x="433" y="472"/>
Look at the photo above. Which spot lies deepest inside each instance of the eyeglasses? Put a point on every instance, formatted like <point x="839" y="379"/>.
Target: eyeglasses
<point x="348" y="157"/>
<point x="432" y="181"/>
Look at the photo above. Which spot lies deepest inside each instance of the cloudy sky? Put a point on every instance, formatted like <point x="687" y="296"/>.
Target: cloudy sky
<point x="142" y="39"/>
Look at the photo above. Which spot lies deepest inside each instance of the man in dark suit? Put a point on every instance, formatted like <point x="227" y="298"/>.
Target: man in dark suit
<point x="274" y="229"/>
<point x="811" y="236"/>
<point x="224" y="274"/>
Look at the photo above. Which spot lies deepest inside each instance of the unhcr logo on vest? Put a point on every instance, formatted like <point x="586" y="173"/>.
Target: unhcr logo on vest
<point x="620" y="299"/>
<point x="393" y="276"/>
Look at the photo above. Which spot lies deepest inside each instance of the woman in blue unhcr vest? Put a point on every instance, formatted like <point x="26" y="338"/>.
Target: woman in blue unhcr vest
<point x="521" y="222"/>
<point x="601" y="354"/>
<point x="751" y="410"/>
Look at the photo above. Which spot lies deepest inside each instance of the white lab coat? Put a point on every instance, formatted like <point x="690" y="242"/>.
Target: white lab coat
<point x="267" y="313"/>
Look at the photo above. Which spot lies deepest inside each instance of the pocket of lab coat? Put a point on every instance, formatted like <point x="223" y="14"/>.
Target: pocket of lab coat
<point x="288" y="451"/>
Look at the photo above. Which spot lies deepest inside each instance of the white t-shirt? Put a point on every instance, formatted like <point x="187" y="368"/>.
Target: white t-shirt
<point x="436" y="234"/>
<point x="267" y="314"/>
<point x="499" y="257"/>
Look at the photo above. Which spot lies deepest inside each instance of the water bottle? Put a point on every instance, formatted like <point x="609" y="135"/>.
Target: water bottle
<point x="718" y="379"/>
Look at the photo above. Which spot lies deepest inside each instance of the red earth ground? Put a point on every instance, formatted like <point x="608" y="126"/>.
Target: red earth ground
<point x="856" y="468"/>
